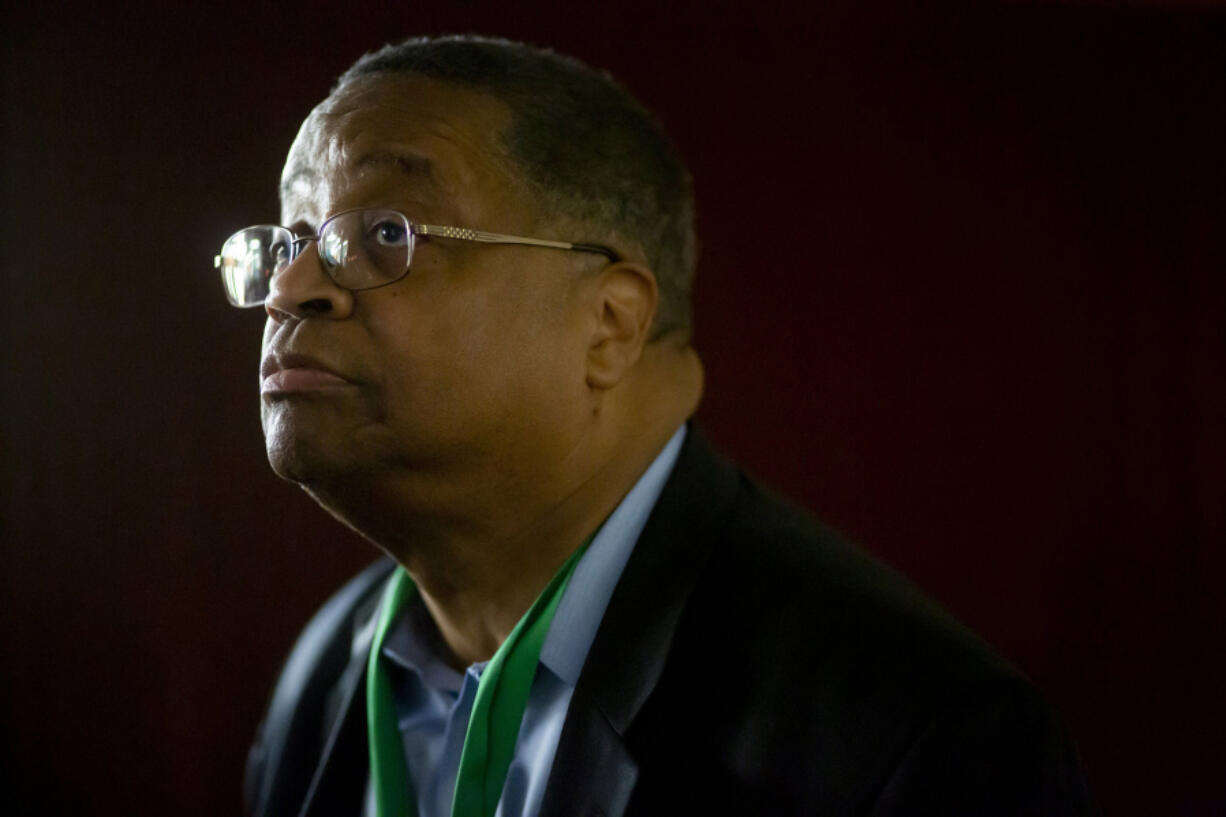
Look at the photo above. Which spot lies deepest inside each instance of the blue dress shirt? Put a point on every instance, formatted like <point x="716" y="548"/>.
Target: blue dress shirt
<point x="434" y="701"/>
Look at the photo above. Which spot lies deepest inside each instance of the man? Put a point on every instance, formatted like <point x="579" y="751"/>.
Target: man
<point x="478" y="356"/>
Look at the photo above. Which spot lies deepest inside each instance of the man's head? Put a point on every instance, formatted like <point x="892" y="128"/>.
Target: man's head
<point x="490" y="360"/>
<point x="593" y="157"/>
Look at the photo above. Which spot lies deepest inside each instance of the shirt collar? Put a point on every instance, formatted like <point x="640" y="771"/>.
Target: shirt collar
<point x="591" y="586"/>
<point x="410" y="643"/>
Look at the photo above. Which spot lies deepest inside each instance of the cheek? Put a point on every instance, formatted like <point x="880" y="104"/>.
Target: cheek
<point x="435" y="356"/>
<point x="460" y="355"/>
<point x="507" y="356"/>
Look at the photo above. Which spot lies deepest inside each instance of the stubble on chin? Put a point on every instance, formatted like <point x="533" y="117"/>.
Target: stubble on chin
<point x="293" y="454"/>
<point x="310" y="444"/>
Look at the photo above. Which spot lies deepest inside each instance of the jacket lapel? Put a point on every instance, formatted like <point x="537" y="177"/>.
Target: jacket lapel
<point x="340" y="777"/>
<point x="594" y="772"/>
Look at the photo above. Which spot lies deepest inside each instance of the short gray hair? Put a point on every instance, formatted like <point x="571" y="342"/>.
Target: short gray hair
<point x="592" y="152"/>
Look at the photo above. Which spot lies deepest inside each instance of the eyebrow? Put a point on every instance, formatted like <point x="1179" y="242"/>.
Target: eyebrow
<point x="300" y="174"/>
<point x="417" y="169"/>
<point x="414" y="167"/>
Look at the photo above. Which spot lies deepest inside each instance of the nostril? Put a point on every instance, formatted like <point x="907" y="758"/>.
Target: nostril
<point x="317" y="306"/>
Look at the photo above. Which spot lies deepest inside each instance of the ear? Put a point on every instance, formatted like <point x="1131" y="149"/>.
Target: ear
<point x="627" y="296"/>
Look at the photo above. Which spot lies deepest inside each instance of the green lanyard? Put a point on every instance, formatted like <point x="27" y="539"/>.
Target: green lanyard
<point x="493" y="726"/>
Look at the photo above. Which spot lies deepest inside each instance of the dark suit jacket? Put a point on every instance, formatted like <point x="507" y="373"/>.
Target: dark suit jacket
<point x="750" y="662"/>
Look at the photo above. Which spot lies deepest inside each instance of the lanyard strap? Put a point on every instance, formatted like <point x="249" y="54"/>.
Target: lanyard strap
<point x="493" y="726"/>
<point x="388" y="768"/>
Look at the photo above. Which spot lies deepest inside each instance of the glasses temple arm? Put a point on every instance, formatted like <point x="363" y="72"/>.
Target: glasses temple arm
<point x="465" y="234"/>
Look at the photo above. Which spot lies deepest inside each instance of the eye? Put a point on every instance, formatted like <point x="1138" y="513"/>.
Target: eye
<point x="280" y="254"/>
<point x="390" y="233"/>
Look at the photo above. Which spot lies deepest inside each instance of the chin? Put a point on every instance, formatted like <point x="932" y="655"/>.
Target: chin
<point x="299" y="456"/>
<point x="291" y="462"/>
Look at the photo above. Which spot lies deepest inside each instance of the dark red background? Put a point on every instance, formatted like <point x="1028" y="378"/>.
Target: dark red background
<point x="961" y="293"/>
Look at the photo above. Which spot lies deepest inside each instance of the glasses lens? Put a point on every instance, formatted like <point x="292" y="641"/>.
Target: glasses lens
<point x="364" y="249"/>
<point x="249" y="259"/>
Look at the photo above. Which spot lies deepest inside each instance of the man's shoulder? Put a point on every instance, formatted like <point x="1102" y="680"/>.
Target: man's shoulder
<point x="308" y="695"/>
<point x="342" y="607"/>
<point x="805" y="668"/>
<point x="789" y="593"/>
<point x="791" y="569"/>
<point x="776" y="569"/>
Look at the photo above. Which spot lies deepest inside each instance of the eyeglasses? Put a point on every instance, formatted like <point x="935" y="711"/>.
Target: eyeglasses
<point x="360" y="249"/>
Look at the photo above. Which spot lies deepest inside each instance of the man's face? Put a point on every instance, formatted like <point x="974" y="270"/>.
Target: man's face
<point x="476" y="357"/>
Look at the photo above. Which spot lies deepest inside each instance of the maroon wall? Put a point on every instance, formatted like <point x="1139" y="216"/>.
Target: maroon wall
<point x="961" y="293"/>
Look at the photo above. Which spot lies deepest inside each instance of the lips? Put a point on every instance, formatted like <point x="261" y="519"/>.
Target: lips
<point x="286" y="373"/>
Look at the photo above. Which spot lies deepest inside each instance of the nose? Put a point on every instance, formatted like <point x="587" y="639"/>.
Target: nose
<point x="303" y="289"/>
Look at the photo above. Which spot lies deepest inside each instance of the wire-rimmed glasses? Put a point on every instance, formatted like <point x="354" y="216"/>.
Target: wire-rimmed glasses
<point x="360" y="249"/>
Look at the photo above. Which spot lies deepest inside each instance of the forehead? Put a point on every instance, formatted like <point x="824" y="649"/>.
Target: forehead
<point x="403" y="137"/>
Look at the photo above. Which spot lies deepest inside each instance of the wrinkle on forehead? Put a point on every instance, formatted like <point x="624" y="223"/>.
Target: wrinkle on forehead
<point x="443" y="137"/>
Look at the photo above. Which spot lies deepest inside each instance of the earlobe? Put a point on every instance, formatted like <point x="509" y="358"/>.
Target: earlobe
<point x="627" y="300"/>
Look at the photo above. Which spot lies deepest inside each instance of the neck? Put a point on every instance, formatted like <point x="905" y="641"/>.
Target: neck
<point x="482" y="546"/>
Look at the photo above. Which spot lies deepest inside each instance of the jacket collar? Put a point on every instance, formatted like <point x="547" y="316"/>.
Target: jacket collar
<point x="340" y="777"/>
<point x="593" y="771"/>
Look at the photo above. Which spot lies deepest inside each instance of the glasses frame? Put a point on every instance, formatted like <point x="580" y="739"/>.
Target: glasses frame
<point x="415" y="229"/>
